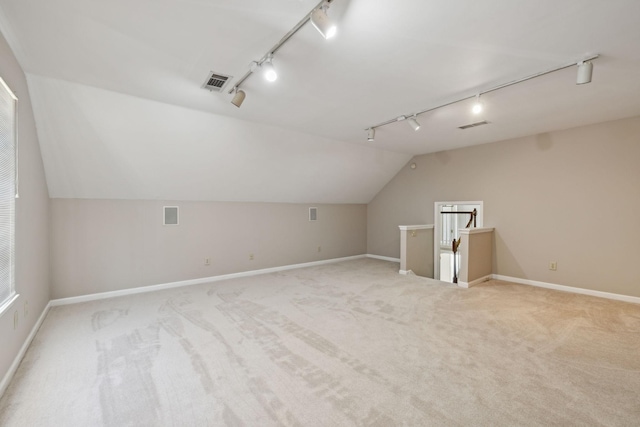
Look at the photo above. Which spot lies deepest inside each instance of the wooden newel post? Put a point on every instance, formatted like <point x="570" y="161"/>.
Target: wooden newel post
<point x="454" y="247"/>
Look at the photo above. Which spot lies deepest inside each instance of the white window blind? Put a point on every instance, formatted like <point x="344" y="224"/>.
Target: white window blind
<point x="8" y="191"/>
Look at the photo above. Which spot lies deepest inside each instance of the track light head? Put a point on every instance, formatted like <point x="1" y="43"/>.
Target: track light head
<point x="585" y="71"/>
<point x="268" y="69"/>
<point x="477" y="106"/>
<point x="414" y="123"/>
<point x="323" y="24"/>
<point x="371" y="135"/>
<point x="239" y="97"/>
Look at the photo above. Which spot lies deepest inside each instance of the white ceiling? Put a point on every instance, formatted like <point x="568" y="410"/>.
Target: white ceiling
<point x="120" y="111"/>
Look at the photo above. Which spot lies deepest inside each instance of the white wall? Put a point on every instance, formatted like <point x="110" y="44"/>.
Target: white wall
<point x="99" y="144"/>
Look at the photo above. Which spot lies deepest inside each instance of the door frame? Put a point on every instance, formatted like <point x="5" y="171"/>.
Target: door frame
<point x="436" y="228"/>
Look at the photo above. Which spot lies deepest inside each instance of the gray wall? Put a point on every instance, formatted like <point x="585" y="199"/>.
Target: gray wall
<point x="569" y="196"/>
<point x="107" y="245"/>
<point x="419" y="252"/>
<point x="476" y="256"/>
<point x="32" y="212"/>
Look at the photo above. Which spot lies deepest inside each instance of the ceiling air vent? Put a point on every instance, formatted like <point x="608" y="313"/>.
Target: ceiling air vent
<point x="472" y="125"/>
<point x="216" y="81"/>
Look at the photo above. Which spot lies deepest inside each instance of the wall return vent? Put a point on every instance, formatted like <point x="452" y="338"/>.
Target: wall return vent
<point x="313" y="214"/>
<point x="472" y="125"/>
<point x="170" y="216"/>
<point x="216" y="82"/>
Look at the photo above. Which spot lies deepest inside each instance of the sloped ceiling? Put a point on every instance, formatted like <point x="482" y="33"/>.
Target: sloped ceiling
<point x="120" y="111"/>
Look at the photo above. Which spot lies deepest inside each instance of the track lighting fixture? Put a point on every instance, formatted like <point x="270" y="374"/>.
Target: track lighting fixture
<point x="477" y="106"/>
<point x="321" y="21"/>
<point x="371" y="136"/>
<point x="239" y="97"/>
<point x="585" y="71"/>
<point x="268" y="70"/>
<point x="414" y="123"/>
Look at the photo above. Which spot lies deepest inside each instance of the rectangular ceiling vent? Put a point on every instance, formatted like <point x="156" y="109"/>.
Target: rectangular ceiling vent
<point x="216" y="81"/>
<point x="472" y="125"/>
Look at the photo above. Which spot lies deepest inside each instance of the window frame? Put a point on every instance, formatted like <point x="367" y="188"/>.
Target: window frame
<point x="8" y="302"/>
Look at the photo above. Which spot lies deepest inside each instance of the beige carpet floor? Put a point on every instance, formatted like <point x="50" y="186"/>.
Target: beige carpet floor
<point x="350" y="343"/>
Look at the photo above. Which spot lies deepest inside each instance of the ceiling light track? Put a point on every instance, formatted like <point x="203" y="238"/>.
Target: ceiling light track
<point x="585" y="70"/>
<point x="320" y="21"/>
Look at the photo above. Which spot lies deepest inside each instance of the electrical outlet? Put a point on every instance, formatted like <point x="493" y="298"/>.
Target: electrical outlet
<point x="207" y="261"/>
<point x="250" y="257"/>
<point x="553" y="266"/>
<point x="319" y="248"/>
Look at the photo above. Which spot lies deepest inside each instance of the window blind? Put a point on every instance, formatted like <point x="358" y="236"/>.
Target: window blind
<point x="8" y="137"/>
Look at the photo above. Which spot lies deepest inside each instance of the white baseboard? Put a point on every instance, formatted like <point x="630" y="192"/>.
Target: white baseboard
<point x="406" y="272"/>
<point x="23" y="350"/>
<point x="153" y="288"/>
<point x="608" y="295"/>
<point x="383" y="258"/>
<point x="475" y="282"/>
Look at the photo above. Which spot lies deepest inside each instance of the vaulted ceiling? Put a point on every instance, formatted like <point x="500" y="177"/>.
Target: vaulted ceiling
<point x="121" y="113"/>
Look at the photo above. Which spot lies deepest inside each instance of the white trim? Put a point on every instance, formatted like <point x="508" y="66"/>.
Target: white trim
<point x="152" y="288"/>
<point x="6" y="86"/>
<point x="415" y="227"/>
<point x="572" y="289"/>
<point x="406" y="272"/>
<point x="383" y="258"/>
<point x="476" y="230"/>
<point x="25" y="346"/>
<point x="8" y="303"/>
<point x="475" y="282"/>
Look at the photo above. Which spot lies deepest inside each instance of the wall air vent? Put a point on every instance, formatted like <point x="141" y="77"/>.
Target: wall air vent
<point x="216" y="81"/>
<point x="170" y="215"/>
<point x="472" y="125"/>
